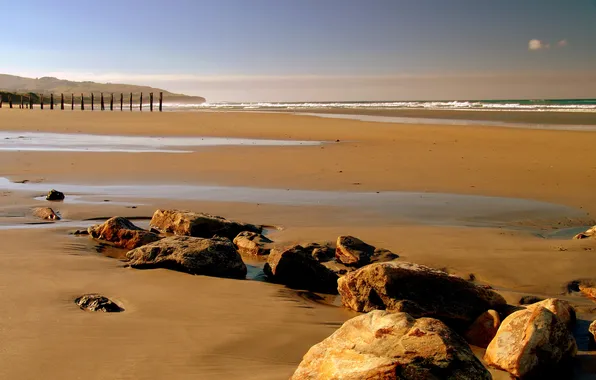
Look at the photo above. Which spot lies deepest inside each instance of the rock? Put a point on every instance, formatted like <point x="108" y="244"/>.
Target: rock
<point x="353" y="251"/>
<point x="438" y="294"/>
<point x="560" y="308"/>
<point x="592" y="330"/>
<point x="122" y="233"/>
<point x="45" y="213"/>
<point x="383" y="345"/>
<point x="484" y="329"/>
<point x="587" y="287"/>
<point x="96" y="302"/>
<point x="531" y="343"/>
<point x="321" y="252"/>
<point x="55" y="195"/>
<point x="528" y="300"/>
<point x="590" y="233"/>
<point x="295" y="267"/>
<point x="80" y="232"/>
<point x="187" y="223"/>
<point x="211" y="257"/>
<point x="252" y="243"/>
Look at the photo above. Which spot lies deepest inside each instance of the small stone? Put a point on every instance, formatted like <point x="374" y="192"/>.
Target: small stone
<point x="45" y="213"/>
<point x="96" y="302"/>
<point x="55" y="195"/>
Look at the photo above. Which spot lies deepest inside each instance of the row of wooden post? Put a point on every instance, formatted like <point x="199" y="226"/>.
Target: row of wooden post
<point x="72" y="102"/>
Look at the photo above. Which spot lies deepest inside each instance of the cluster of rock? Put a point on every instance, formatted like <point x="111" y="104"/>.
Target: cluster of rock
<point x="419" y="321"/>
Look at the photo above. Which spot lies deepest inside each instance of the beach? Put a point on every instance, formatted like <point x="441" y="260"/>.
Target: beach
<point x="499" y="203"/>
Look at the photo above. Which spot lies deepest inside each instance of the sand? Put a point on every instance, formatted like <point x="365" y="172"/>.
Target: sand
<point x="178" y="326"/>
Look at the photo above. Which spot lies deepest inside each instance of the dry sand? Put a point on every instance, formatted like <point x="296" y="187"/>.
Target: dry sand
<point x="178" y="326"/>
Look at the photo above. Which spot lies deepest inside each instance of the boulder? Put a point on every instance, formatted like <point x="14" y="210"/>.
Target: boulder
<point x="560" y="308"/>
<point x="592" y="330"/>
<point x="211" y="257"/>
<point x="353" y="251"/>
<point x="186" y="223"/>
<point x="321" y="252"/>
<point x="296" y="268"/>
<point x="122" y="233"/>
<point x="437" y="294"/>
<point x="252" y="243"/>
<point x="55" y="195"/>
<point x="97" y="302"/>
<point x="45" y="213"/>
<point x="383" y="345"/>
<point x="590" y="233"/>
<point x="531" y="343"/>
<point x="484" y="329"/>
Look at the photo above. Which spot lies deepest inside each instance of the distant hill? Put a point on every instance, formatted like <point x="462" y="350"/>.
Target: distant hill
<point x="48" y="85"/>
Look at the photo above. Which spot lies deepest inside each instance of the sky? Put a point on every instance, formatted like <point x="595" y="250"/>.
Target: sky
<point x="311" y="50"/>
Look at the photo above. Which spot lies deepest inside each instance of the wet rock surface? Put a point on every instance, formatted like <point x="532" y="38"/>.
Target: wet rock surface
<point x="296" y="268"/>
<point x="97" y="302"/>
<point x="383" y="345"/>
<point x="215" y="257"/>
<point x="55" y="195"/>
<point x="252" y="243"/>
<point x="436" y="294"/>
<point x="122" y="233"/>
<point x="186" y="223"/>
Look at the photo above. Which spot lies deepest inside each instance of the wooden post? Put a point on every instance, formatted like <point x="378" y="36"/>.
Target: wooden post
<point x="31" y="101"/>
<point x="131" y="101"/>
<point x="82" y="102"/>
<point x="112" y="102"/>
<point x="151" y="101"/>
<point x="92" y="101"/>
<point x="121" y="101"/>
<point x="72" y="102"/>
<point x="101" y="104"/>
<point x="21" y="104"/>
<point x="10" y="100"/>
<point x="41" y="100"/>
<point x="160" y="101"/>
<point x="141" y="103"/>
<point x="62" y="102"/>
<point x="51" y="101"/>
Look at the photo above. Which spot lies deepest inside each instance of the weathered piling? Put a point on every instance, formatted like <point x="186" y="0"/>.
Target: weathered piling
<point x="41" y="100"/>
<point x="10" y="101"/>
<point x="30" y="102"/>
<point x="92" y="102"/>
<point x="160" y="101"/>
<point x="151" y="101"/>
<point x="62" y="102"/>
<point x="102" y="105"/>
<point x="21" y="104"/>
<point x="131" y="101"/>
<point x="112" y="102"/>
<point x="72" y="102"/>
<point x="121" y="101"/>
<point x="141" y="103"/>
<point x="51" y="101"/>
<point x="82" y="102"/>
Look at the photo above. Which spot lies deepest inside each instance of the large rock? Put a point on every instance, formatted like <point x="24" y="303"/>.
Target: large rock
<point x="211" y="257"/>
<point x="97" y="302"/>
<point x="484" y="329"/>
<point x="382" y="345"/>
<point x="590" y="233"/>
<point x="252" y="243"/>
<point x="55" y="195"/>
<point x="560" y="308"/>
<point x="531" y="343"/>
<point x="353" y="251"/>
<point x="45" y="213"/>
<point x="122" y="233"/>
<point x="186" y="223"/>
<point x="592" y="330"/>
<point x="437" y="294"/>
<point x="295" y="267"/>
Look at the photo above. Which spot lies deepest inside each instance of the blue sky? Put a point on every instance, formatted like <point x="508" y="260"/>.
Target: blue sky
<point x="257" y="50"/>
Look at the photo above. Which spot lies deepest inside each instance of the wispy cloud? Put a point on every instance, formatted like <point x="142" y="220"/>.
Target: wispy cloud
<point x="535" y="44"/>
<point x="562" y="43"/>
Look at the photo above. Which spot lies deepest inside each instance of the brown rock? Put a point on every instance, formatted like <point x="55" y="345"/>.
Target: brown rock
<point x="96" y="302"/>
<point x="122" y="233"/>
<point x="185" y="223"/>
<point x="353" y="251"/>
<point x="295" y="267"/>
<point x="484" y="329"/>
<point x="55" y="195"/>
<point x="391" y="346"/>
<point x="560" y="308"/>
<point x="590" y="233"/>
<point x="321" y="252"/>
<point x="443" y="296"/>
<point x="45" y="213"/>
<point x="252" y="243"/>
<point x="585" y="286"/>
<point x="211" y="257"/>
<point x="592" y="330"/>
<point x="533" y="343"/>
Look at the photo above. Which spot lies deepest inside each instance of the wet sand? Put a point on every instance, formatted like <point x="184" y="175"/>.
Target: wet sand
<point x="180" y="326"/>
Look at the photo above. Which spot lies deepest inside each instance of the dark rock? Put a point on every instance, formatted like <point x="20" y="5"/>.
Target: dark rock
<point x="528" y="300"/>
<point x="211" y="257"/>
<point x="440" y="295"/>
<point x="96" y="302"/>
<point x="122" y="233"/>
<point x="252" y="243"/>
<point x="55" y="195"/>
<point x="321" y="252"/>
<point x="185" y="223"/>
<point x="391" y="346"/>
<point x="353" y="251"/>
<point x="296" y="268"/>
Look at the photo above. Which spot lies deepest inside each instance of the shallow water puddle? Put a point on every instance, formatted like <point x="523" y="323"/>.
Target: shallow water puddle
<point x="64" y="142"/>
<point x="426" y="208"/>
